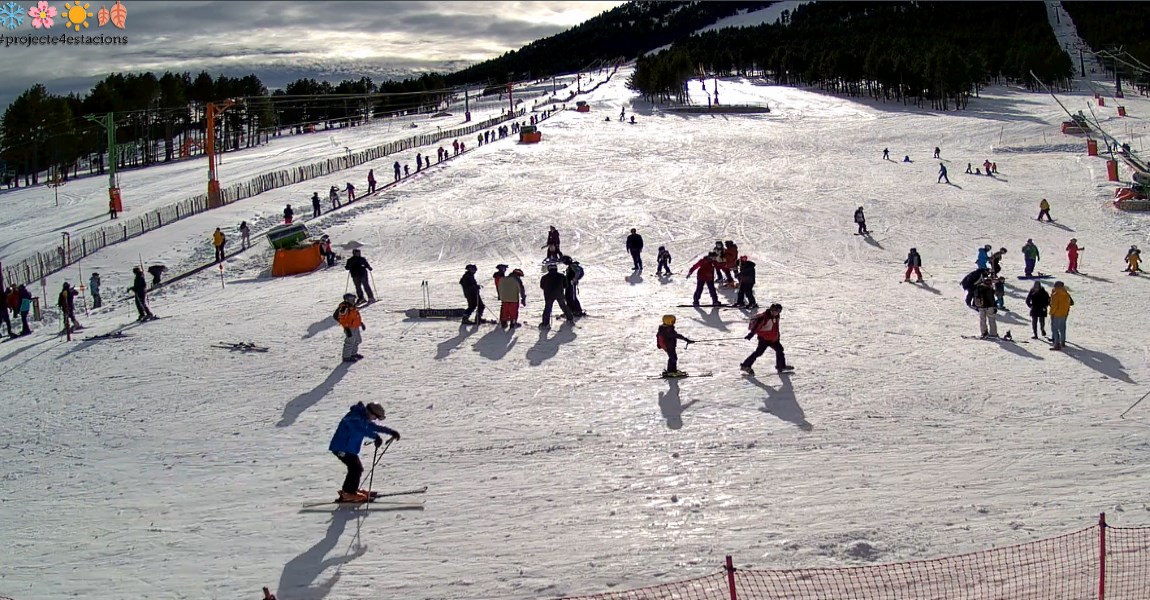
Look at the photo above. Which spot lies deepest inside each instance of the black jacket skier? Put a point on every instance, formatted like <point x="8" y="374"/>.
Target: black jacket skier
<point x="554" y="286"/>
<point x="970" y="281"/>
<point x="635" y="247"/>
<point x="574" y="274"/>
<point x="1039" y="301"/>
<point x="140" y="290"/>
<point x="471" y="293"/>
<point x="746" y="294"/>
<point x="358" y="266"/>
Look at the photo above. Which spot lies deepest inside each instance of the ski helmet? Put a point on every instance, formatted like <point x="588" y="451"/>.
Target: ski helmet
<point x="471" y="268"/>
<point x="349" y="297"/>
<point x="776" y="306"/>
<point x="517" y="272"/>
<point x="668" y="319"/>
<point x="376" y="410"/>
<point x="500" y="267"/>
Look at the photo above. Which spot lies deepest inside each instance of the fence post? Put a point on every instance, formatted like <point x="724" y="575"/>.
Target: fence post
<point x="731" y="577"/>
<point x="1101" y="556"/>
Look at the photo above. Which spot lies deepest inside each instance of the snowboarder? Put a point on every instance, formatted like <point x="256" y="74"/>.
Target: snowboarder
<point x="156" y="271"/>
<point x="345" y="444"/>
<point x="913" y="264"/>
<point x="574" y="274"/>
<point x="67" y="303"/>
<point x="635" y="247"/>
<point x="985" y="302"/>
<point x="996" y="261"/>
<point x="94" y="287"/>
<point x="1038" y="300"/>
<point x="471" y="294"/>
<point x="886" y="153"/>
<point x="1030" y="256"/>
<point x="315" y="212"/>
<point x="765" y="325"/>
<point x="1133" y="259"/>
<point x="942" y="173"/>
<point x="746" y="293"/>
<point x="983" y="257"/>
<point x="359" y="269"/>
<point x="706" y="277"/>
<point x="664" y="260"/>
<point x="937" y="152"/>
<point x="1072" y="250"/>
<point x="970" y="284"/>
<point x="371" y="181"/>
<point x="139" y="291"/>
<point x="350" y="189"/>
<point x="860" y="220"/>
<point x="218" y="240"/>
<point x="552" y="245"/>
<point x="1000" y="292"/>
<point x="1060" y="303"/>
<point x="348" y="316"/>
<point x="666" y="339"/>
<point x="554" y="286"/>
<point x="512" y="294"/>
<point x="396" y="167"/>
<point x="245" y="235"/>
<point x="333" y="195"/>
<point x="288" y="214"/>
<point x="1044" y="209"/>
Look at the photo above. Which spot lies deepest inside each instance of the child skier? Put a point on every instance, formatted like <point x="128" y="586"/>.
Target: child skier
<point x="746" y="294"/>
<point x="1000" y="292"/>
<point x="1044" y="209"/>
<point x="765" y="325"/>
<point x="860" y="219"/>
<point x="666" y="339"/>
<point x="511" y="295"/>
<point x="664" y="262"/>
<point x="1072" y="250"/>
<point x="348" y="316"/>
<point x="1133" y="259"/>
<point x="345" y="444"/>
<point x="913" y="264"/>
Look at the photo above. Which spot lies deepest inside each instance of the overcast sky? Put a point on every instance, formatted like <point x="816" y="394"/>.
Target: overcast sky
<point x="283" y="41"/>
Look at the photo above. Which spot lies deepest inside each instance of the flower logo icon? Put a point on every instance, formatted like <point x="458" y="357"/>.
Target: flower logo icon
<point x="76" y="15"/>
<point x="42" y="15"/>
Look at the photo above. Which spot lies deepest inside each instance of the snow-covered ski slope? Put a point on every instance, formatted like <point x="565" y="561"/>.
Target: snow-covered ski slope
<point x="159" y="466"/>
<point x="30" y="220"/>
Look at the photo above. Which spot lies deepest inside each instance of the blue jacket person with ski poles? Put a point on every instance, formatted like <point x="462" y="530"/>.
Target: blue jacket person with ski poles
<point x="345" y="444"/>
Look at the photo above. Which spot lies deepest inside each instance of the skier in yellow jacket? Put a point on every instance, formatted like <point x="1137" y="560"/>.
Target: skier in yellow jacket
<point x="1060" y="303"/>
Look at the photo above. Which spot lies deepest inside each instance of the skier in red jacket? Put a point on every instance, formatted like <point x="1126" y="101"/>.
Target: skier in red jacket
<point x="706" y="277"/>
<point x="766" y="326"/>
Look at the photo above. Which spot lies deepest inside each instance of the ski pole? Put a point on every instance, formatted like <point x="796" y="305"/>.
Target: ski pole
<point x="348" y="283"/>
<point x="375" y="457"/>
<point x="1133" y="405"/>
<point x="718" y="340"/>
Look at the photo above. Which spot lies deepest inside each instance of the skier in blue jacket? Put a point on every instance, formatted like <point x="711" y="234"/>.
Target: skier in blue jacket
<point x="345" y="444"/>
<point x="983" y="256"/>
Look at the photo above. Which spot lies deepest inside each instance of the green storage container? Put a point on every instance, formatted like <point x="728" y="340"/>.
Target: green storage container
<point x="284" y="237"/>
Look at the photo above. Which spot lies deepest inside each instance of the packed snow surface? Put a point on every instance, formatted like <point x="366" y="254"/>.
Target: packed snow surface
<point x="160" y="466"/>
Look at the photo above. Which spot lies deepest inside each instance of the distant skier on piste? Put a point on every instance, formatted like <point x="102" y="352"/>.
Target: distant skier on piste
<point x="359" y="269"/>
<point x="942" y="173"/>
<point x="288" y="214"/>
<point x="315" y="208"/>
<point x="1072" y="250"/>
<point x="348" y="316"/>
<point x="664" y="260"/>
<point x="1133" y="260"/>
<point x="554" y="286"/>
<point x="471" y="294"/>
<point x="860" y="220"/>
<point x="913" y="264"/>
<point x="765" y="325"/>
<point x="1030" y="256"/>
<point x="348" y="439"/>
<point x="970" y="284"/>
<point x="996" y="261"/>
<point x="666" y="339"/>
<point x="139" y="291"/>
<point x="746" y="293"/>
<point x="706" y="278"/>
<point x="635" y="248"/>
<point x="983" y="259"/>
<point x="552" y="245"/>
<point x="1038" y="300"/>
<point x="512" y="294"/>
<point x="574" y="275"/>
<point x="1044" y="211"/>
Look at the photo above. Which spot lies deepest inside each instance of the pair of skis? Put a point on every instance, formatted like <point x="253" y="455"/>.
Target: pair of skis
<point x="240" y="346"/>
<point x="375" y="503"/>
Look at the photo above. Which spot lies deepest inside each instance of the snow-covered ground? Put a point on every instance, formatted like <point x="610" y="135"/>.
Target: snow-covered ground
<point x="31" y="222"/>
<point x="752" y="18"/>
<point x="159" y="466"/>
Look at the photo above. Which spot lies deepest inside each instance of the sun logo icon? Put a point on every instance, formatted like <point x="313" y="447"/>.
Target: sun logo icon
<point x="76" y="15"/>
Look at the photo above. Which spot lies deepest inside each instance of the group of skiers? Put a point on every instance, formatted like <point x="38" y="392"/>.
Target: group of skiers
<point x="764" y="326"/>
<point x="559" y="288"/>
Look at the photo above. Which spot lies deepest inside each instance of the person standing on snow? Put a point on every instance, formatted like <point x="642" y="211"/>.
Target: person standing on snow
<point x="706" y="277"/>
<point x="942" y="173"/>
<point x="1030" y="256"/>
<point x="985" y="302"/>
<point x="996" y="261"/>
<point x="348" y="316"/>
<point x="635" y="247"/>
<point x="913" y="264"/>
<point x="67" y="304"/>
<point x="664" y="260"/>
<point x="218" y="240"/>
<point x="348" y="439"/>
<point x="1133" y="259"/>
<point x="1038" y="301"/>
<point x="1072" y="250"/>
<point x="970" y="284"/>
<point x="746" y="294"/>
<point x="860" y="220"/>
<point x="245" y="235"/>
<point x="471" y="293"/>
<point x="288" y="215"/>
<point x="765" y="325"/>
<point x="359" y="268"/>
<point x="94" y="287"/>
<point x="886" y="153"/>
<point x="500" y="273"/>
<point x="552" y="245"/>
<point x="1044" y="209"/>
<point x="937" y="152"/>
<point x="983" y="259"/>
<point x="333" y="195"/>
<point x="1060" y="303"/>
<point x="350" y="189"/>
<point x="397" y="170"/>
<point x="554" y="286"/>
<point x="511" y="294"/>
<point x="1000" y="292"/>
<point x="315" y="211"/>
<point x="729" y="262"/>
<point x="139" y="290"/>
<point x="371" y="181"/>
<point x="666" y="339"/>
<point x="574" y="274"/>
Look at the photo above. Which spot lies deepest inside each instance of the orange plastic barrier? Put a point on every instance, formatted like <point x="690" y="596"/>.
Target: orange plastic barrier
<point x="1122" y="111"/>
<point x="530" y="138"/>
<point x="294" y="262"/>
<point x="1112" y="170"/>
<point x="1092" y="147"/>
